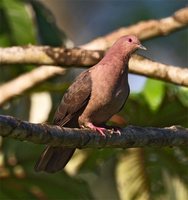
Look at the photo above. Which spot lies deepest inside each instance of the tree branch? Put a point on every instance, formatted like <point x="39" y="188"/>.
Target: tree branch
<point x="46" y="55"/>
<point x="131" y="136"/>
<point x="26" y="81"/>
<point x="172" y="74"/>
<point x="144" y="30"/>
<point x="79" y="57"/>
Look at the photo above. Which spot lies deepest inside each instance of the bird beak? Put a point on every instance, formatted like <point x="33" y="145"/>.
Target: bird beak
<point x="142" y="47"/>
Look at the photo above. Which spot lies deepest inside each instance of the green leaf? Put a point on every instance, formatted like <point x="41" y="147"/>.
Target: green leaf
<point x="175" y="188"/>
<point x="45" y="23"/>
<point x="21" y="27"/>
<point x="153" y="92"/>
<point x="56" y="186"/>
<point x="102" y="180"/>
<point x="131" y="175"/>
<point x="5" y="37"/>
<point x="183" y="95"/>
<point x="170" y="160"/>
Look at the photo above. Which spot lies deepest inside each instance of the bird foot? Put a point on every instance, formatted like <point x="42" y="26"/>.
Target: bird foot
<point x="116" y="131"/>
<point x="102" y="130"/>
<point x="113" y="129"/>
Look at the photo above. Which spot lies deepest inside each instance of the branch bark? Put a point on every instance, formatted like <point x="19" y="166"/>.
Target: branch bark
<point x="26" y="81"/>
<point x="131" y="136"/>
<point x="146" y="67"/>
<point x="45" y="55"/>
<point x="144" y="30"/>
<point x="79" y="57"/>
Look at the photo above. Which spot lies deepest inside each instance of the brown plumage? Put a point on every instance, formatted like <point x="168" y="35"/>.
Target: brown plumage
<point x="96" y="95"/>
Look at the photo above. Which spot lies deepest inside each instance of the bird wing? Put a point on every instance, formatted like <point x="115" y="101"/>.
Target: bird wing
<point x="73" y="103"/>
<point x="74" y="100"/>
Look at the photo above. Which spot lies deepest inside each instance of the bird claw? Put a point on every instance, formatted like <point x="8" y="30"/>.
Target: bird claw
<point x="102" y="130"/>
<point x="116" y="131"/>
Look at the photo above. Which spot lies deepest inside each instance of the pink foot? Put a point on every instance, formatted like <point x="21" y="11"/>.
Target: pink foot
<point x="96" y="128"/>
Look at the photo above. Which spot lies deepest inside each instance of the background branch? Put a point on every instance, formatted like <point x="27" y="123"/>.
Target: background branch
<point x="46" y="55"/>
<point x="79" y="57"/>
<point x="26" y="81"/>
<point x="172" y="74"/>
<point x="131" y="136"/>
<point x="144" y="30"/>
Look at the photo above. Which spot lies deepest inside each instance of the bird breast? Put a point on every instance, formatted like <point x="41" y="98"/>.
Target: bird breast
<point x="107" y="98"/>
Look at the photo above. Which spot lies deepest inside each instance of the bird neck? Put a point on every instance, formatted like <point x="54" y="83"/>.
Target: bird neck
<point x="117" y="60"/>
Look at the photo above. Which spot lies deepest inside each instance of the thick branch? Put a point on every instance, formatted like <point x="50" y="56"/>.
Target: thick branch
<point x="131" y="136"/>
<point x="79" y="57"/>
<point x="172" y="74"/>
<point x="45" y="55"/>
<point x="26" y="81"/>
<point x="144" y="30"/>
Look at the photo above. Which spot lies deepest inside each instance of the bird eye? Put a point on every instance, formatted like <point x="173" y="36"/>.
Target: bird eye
<point x="130" y="40"/>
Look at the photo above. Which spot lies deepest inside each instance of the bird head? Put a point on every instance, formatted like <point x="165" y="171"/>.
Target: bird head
<point x="129" y="44"/>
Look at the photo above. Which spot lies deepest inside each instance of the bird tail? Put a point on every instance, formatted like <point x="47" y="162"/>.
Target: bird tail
<point x="54" y="159"/>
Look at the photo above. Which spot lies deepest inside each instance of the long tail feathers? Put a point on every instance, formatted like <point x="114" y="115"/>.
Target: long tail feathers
<point x="54" y="159"/>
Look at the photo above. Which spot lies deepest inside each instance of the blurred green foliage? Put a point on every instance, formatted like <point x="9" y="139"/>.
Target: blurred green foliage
<point x="148" y="173"/>
<point x="154" y="92"/>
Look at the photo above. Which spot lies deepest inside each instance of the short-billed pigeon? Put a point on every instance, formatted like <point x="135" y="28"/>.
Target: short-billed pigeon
<point x="93" y="98"/>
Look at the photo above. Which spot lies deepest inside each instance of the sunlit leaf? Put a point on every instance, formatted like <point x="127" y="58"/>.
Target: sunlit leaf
<point x="183" y="95"/>
<point x="174" y="187"/>
<point x="154" y="91"/>
<point x="131" y="175"/>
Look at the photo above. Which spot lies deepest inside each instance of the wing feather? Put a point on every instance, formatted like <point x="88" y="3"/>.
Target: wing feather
<point x="74" y="100"/>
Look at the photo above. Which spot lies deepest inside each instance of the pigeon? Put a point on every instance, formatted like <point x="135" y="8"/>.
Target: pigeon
<point x="92" y="99"/>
